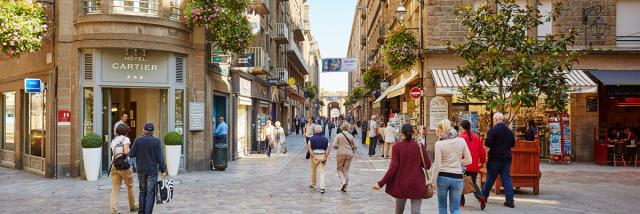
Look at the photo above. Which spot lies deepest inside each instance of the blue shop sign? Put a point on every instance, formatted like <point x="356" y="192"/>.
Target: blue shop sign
<point x="32" y="85"/>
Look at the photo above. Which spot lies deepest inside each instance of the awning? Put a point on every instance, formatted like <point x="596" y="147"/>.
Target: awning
<point x="449" y="82"/>
<point x="617" y="77"/>
<point x="399" y="88"/>
<point x="384" y="94"/>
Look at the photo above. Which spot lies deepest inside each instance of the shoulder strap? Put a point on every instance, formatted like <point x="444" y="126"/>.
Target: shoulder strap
<point x="426" y="174"/>
<point x="350" y="143"/>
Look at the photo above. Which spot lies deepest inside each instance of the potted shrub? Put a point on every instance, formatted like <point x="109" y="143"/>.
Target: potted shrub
<point x="92" y="154"/>
<point x="173" y="150"/>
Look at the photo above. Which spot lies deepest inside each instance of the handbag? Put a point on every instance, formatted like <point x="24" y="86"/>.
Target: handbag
<point x="428" y="193"/>
<point x="468" y="185"/>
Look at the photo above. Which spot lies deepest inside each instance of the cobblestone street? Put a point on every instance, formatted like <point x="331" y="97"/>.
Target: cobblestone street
<point x="280" y="185"/>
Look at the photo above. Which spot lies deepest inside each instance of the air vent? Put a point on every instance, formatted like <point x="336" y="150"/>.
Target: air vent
<point x="88" y="66"/>
<point x="180" y="69"/>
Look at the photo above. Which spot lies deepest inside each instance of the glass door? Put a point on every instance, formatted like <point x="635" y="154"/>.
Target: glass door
<point x="35" y="139"/>
<point x="107" y="108"/>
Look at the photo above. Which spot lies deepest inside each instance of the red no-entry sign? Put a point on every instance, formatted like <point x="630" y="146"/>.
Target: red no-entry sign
<point x="415" y="93"/>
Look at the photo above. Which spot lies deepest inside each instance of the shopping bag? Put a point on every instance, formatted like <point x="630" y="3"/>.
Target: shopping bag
<point x="468" y="185"/>
<point x="367" y="141"/>
<point x="164" y="192"/>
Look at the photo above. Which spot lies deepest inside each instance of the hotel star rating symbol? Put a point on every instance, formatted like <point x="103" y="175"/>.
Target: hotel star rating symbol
<point x="135" y="77"/>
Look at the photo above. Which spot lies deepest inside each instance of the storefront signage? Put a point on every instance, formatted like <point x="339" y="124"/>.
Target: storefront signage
<point x="592" y="103"/>
<point x="246" y="60"/>
<point x="438" y="110"/>
<point x="134" y="66"/>
<point x="64" y="118"/>
<point x="415" y="93"/>
<point x="196" y="116"/>
<point x="245" y="87"/>
<point x="32" y="85"/>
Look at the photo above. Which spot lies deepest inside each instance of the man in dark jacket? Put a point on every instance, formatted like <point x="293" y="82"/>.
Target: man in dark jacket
<point x="147" y="150"/>
<point x="499" y="142"/>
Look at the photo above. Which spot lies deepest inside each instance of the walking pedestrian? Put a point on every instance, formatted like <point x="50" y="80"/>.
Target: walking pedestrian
<point x="302" y="121"/>
<point x="308" y="130"/>
<point x="331" y="126"/>
<point x="389" y="135"/>
<point x="345" y="146"/>
<point x="499" y="142"/>
<point x="147" y="150"/>
<point x="279" y="139"/>
<point x="478" y="157"/>
<point x="451" y="154"/>
<point x="324" y="124"/>
<point x="318" y="148"/>
<point x="267" y="137"/>
<point x="124" y="119"/>
<point x="296" y="123"/>
<point x="120" y="149"/>
<point x="406" y="178"/>
<point x="373" y="135"/>
<point x="365" y="135"/>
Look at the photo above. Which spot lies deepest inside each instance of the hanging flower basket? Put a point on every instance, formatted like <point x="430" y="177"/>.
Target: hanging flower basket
<point x="23" y="26"/>
<point x="224" y="19"/>
<point x="372" y="78"/>
<point x="401" y="50"/>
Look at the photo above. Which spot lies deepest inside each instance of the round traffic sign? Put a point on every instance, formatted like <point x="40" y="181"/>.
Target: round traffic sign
<point x="415" y="93"/>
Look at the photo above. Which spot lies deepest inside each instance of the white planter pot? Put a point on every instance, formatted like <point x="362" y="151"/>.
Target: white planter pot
<point x="173" y="153"/>
<point x="92" y="158"/>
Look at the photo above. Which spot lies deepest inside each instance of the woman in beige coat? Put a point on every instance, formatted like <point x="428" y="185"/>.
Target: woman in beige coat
<point x="346" y="147"/>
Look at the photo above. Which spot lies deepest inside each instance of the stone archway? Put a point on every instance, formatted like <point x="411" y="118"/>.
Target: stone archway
<point x="331" y="109"/>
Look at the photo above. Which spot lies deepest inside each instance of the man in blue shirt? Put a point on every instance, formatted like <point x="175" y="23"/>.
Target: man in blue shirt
<point x="221" y="131"/>
<point x="499" y="141"/>
<point x="318" y="148"/>
<point x="147" y="150"/>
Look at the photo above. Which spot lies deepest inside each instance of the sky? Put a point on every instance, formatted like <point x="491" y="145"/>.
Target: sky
<point x="331" y="26"/>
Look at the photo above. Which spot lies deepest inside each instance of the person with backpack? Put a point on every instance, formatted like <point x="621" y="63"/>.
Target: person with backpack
<point x="346" y="147"/>
<point x="150" y="159"/>
<point x="121" y="169"/>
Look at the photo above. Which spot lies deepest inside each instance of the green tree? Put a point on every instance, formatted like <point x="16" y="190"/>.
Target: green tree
<point x="371" y="79"/>
<point x="508" y="69"/>
<point x="225" y="21"/>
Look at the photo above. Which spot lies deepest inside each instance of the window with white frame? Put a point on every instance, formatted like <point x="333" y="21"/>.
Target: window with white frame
<point x="545" y="11"/>
<point x="91" y="6"/>
<point x="627" y="24"/>
<point x="176" y="12"/>
<point x="141" y="7"/>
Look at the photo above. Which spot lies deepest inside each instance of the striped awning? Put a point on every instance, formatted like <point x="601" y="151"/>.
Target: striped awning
<point x="399" y="88"/>
<point x="384" y="93"/>
<point x="449" y="82"/>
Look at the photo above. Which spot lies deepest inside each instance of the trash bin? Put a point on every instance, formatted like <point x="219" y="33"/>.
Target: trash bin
<point x="220" y="156"/>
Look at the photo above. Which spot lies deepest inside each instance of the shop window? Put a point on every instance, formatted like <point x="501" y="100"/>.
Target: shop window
<point x="37" y="124"/>
<point x="545" y="27"/>
<point x="179" y="126"/>
<point x="627" y="25"/>
<point x="91" y="6"/>
<point x="7" y="125"/>
<point x="143" y="7"/>
<point x="87" y="110"/>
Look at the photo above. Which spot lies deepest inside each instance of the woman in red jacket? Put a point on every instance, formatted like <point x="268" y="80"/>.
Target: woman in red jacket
<point x="405" y="178"/>
<point x="478" y="155"/>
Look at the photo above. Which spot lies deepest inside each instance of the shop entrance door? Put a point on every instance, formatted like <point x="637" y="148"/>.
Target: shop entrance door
<point x="243" y="131"/>
<point x="138" y="106"/>
<point x="36" y="133"/>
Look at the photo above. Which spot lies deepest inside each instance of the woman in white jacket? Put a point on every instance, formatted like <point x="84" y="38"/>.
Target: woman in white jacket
<point x="389" y="137"/>
<point x="451" y="154"/>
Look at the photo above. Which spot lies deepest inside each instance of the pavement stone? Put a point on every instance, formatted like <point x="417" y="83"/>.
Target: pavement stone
<point x="280" y="185"/>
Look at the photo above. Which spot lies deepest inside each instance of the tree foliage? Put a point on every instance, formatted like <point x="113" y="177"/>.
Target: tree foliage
<point x="224" y="19"/>
<point x="372" y="78"/>
<point x="508" y="69"/>
<point x="310" y="91"/>
<point x="23" y="25"/>
<point x="357" y="93"/>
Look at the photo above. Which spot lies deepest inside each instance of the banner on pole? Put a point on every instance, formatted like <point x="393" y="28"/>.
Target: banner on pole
<point x="339" y="64"/>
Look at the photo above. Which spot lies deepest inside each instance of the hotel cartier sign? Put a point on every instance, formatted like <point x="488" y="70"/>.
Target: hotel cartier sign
<point x="134" y="66"/>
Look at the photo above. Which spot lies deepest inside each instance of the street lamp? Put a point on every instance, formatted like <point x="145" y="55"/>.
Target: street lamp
<point x="400" y="13"/>
<point x="598" y="26"/>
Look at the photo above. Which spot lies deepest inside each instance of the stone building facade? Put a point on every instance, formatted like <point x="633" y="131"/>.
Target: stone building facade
<point x="607" y="37"/>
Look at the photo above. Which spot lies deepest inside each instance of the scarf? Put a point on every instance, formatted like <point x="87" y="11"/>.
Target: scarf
<point x="452" y="134"/>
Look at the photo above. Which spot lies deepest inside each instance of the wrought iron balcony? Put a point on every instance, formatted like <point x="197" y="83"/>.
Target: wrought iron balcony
<point x="281" y="34"/>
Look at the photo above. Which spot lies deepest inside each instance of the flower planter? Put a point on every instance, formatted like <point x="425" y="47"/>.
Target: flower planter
<point x="92" y="158"/>
<point x="173" y="153"/>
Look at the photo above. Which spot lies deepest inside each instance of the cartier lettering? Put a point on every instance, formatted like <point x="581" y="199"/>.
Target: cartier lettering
<point x="134" y="63"/>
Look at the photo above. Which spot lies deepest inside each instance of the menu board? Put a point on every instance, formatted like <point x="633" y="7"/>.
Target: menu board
<point x="260" y="123"/>
<point x="592" y="104"/>
<point x="559" y="131"/>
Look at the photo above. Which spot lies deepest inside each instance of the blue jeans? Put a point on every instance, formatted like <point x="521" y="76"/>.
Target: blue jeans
<point x="147" y="197"/>
<point x="493" y="169"/>
<point x="451" y="187"/>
